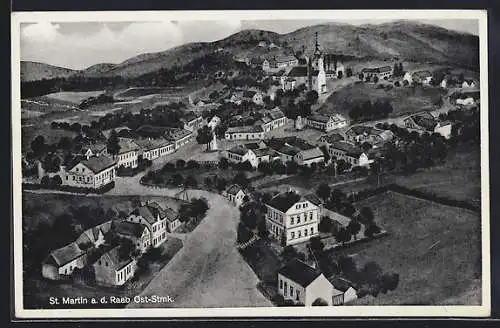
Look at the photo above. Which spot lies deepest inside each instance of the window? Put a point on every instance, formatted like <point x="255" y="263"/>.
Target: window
<point x="305" y="232"/>
<point x="298" y="219"/>
<point x="297" y="293"/>
<point x="298" y="234"/>
<point x="292" y="219"/>
<point x="107" y="263"/>
<point x="285" y="289"/>
<point x="291" y="290"/>
<point x="312" y="230"/>
<point x="310" y="215"/>
<point x="292" y="235"/>
<point x="281" y="284"/>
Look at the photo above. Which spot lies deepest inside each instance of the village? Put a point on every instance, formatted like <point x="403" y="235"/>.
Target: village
<point x="276" y="152"/>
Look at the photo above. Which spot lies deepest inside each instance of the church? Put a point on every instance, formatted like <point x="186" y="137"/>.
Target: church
<point x="314" y="74"/>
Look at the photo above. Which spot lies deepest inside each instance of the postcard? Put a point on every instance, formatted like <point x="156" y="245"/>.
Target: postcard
<point x="242" y="164"/>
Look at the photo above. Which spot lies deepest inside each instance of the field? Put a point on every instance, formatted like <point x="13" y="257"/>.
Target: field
<point x="74" y="97"/>
<point x="435" y="249"/>
<point x="402" y="99"/>
<point x="30" y="132"/>
<point x="146" y="91"/>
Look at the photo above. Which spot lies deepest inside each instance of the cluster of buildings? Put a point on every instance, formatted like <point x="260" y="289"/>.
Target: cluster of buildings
<point x="424" y="121"/>
<point x="271" y="120"/>
<point x="426" y="77"/>
<point x="98" y="248"/>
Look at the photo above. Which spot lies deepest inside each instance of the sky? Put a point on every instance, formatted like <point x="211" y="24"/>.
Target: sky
<point x="78" y="45"/>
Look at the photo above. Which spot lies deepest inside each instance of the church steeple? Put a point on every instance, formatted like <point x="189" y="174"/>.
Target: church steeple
<point x="317" y="52"/>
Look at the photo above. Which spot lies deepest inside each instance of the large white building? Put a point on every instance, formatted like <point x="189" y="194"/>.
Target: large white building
<point x="349" y="153"/>
<point x="154" y="217"/>
<point x="152" y="148"/>
<point x="128" y="154"/>
<point x="327" y="123"/>
<point x="248" y="132"/>
<point x="292" y="218"/>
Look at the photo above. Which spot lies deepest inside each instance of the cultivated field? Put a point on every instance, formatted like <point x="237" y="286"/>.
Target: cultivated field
<point x="402" y="99"/>
<point x="435" y="249"/>
<point x="74" y="97"/>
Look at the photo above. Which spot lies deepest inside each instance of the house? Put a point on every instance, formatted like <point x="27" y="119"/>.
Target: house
<point x="152" y="148"/>
<point x="468" y="83"/>
<point x="62" y="261"/>
<point x="465" y="101"/>
<point x="327" y="123"/>
<point x="240" y="154"/>
<point x="179" y="137"/>
<point x="309" y="156"/>
<point x="235" y="194"/>
<point x="292" y="218"/>
<point x="236" y="98"/>
<point x="423" y="77"/>
<point x="95" y="236"/>
<point x="425" y="122"/>
<point x="112" y="269"/>
<point x="136" y="232"/>
<point x="94" y="172"/>
<point x="128" y="154"/>
<point x="253" y="96"/>
<point x="273" y="119"/>
<point x="303" y="284"/>
<point x="248" y="132"/>
<point x="256" y="62"/>
<point x="380" y="72"/>
<point x="173" y="219"/>
<point x="286" y="61"/>
<point x="349" y="153"/>
<point x="360" y="133"/>
<point x="408" y="77"/>
<point x="214" y="122"/>
<point x="94" y="150"/>
<point x="444" y="83"/>
<point x="262" y="44"/>
<point x="191" y="121"/>
<point x="154" y="218"/>
<point x="328" y="139"/>
<point x="343" y="291"/>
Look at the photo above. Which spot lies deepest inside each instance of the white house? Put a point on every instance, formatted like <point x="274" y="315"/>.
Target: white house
<point x="425" y="122"/>
<point x="214" y="122"/>
<point x="154" y="217"/>
<point x="94" y="150"/>
<point x="468" y="83"/>
<point x="274" y="119"/>
<point x="423" y="77"/>
<point x="240" y="154"/>
<point x="327" y="123"/>
<point x="137" y="233"/>
<point x="153" y="148"/>
<point x="235" y="194"/>
<point x="173" y="219"/>
<point x="465" y="101"/>
<point x="94" y="172"/>
<point x="343" y="291"/>
<point x="63" y="261"/>
<point x="179" y="137"/>
<point x="349" y="153"/>
<point x="112" y="270"/>
<point x="380" y="72"/>
<point x="248" y="132"/>
<point x="128" y="154"/>
<point x="94" y="237"/>
<point x="303" y="284"/>
<point x="292" y="218"/>
<point x="309" y="156"/>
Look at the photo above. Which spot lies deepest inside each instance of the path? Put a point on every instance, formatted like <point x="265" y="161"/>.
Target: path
<point x="208" y="271"/>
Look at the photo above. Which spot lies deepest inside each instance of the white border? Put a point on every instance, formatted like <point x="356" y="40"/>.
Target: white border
<point x="348" y="311"/>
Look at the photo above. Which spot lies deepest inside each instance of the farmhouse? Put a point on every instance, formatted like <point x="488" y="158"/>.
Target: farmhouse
<point x="191" y="121"/>
<point x="128" y="153"/>
<point x="240" y="154"/>
<point x="113" y="270"/>
<point x="272" y="120"/>
<point x="154" y="218"/>
<point x="295" y="149"/>
<point x="327" y="123"/>
<point x="374" y="136"/>
<point x="349" y="153"/>
<point x="95" y="236"/>
<point x="425" y="122"/>
<point x="379" y="72"/>
<point x="235" y="194"/>
<point x="94" y="150"/>
<point x="137" y="233"/>
<point x="152" y="148"/>
<point x="343" y="291"/>
<point x="423" y="77"/>
<point x="303" y="284"/>
<point x="179" y="137"/>
<point x="248" y="132"/>
<point x="292" y="218"/>
<point x="94" y="172"/>
<point x="62" y="261"/>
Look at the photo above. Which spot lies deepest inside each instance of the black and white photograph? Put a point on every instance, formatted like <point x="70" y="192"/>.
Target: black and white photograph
<point x="250" y="163"/>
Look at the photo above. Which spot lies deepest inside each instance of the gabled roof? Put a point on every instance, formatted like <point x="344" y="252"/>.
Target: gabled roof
<point x="98" y="164"/>
<point x="175" y="134"/>
<point x="127" y="228"/>
<point x="112" y="257"/>
<point x="66" y="254"/>
<point x="331" y="138"/>
<point x="319" y="118"/>
<point x="233" y="189"/>
<point x="259" y="152"/>
<point x="127" y="145"/>
<point x="171" y="214"/>
<point x="422" y="74"/>
<point x="91" y="235"/>
<point x="276" y="114"/>
<point x="340" y="284"/>
<point x="252" y="145"/>
<point x="313" y="199"/>
<point x="348" y="148"/>
<point x="283" y="201"/>
<point x="245" y="129"/>
<point x="299" y="272"/>
<point x="298" y="71"/>
<point x="239" y="150"/>
<point x="149" y="144"/>
<point x="150" y="212"/>
<point x="96" y="148"/>
<point x="312" y="153"/>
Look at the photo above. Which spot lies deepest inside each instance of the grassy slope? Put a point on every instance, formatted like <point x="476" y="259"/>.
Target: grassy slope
<point x="32" y="71"/>
<point x="427" y="276"/>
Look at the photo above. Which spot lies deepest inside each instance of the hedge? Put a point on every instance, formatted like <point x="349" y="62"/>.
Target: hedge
<point x="101" y="190"/>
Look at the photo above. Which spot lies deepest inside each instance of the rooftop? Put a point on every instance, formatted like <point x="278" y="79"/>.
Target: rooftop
<point x="298" y="71"/>
<point x="99" y="163"/>
<point x="233" y="189"/>
<point x="151" y="143"/>
<point x="348" y="148"/>
<point x="284" y="201"/>
<point x="150" y="212"/>
<point x="112" y="257"/>
<point x="239" y="150"/>
<point x="66" y="254"/>
<point x="245" y="129"/>
<point x="299" y="272"/>
<point x="127" y="145"/>
<point x="381" y="69"/>
<point x="312" y="153"/>
<point x="127" y="228"/>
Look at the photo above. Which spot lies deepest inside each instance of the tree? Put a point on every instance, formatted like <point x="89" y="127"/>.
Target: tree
<point x="343" y="235"/>
<point x="325" y="224"/>
<point x="241" y="179"/>
<point x="375" y="79"/>
<point x="192" y="164"/>
<point x="51" y="163"/>
<point x="221" y="184"/>
<point x="262" y="229"/>
<point x="316" y="245"/>
<point x="64" y="143"/>
<point x="291" y="167"/>
<point x="353" y="227"/>
<point x="405" y="83"/>
<point x="45" y="181"/>
<point x="290" y="252"/>
<point x="180" y="164"/>
<point x="56" y="181"/>
<point x="205" y="135"/>
<point x="283" y="239"/>
<point x="319" y="302"/>
<point x="208" y="182"/>
<point x="323" y="191"/>
<point x="265" y="168"/>
<point x="361" y="76"/>
<point x="177" y="179"/>
<point x="223" y="163"/>
<point x="366" y="215"/>
<point x="371" y="230"/>
<point x="113" y="144"/>
<point x="38" y="146"/>
<point x="389" y="281"/>
<point x="340" y="74"/>
<point x="190" y="181"/>
<point x="397" y="84"/>
<point x="348" y="72"/>
<point x="312" y="96"/>
<point x="346" y="265"/>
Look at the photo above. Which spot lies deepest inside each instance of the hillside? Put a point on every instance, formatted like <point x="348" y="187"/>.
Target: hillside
<point x="407" y="40"/>
<point x="33" y="71"/>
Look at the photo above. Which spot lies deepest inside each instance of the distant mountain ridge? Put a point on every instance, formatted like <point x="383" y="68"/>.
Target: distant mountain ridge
<point x="407" y="40"/>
